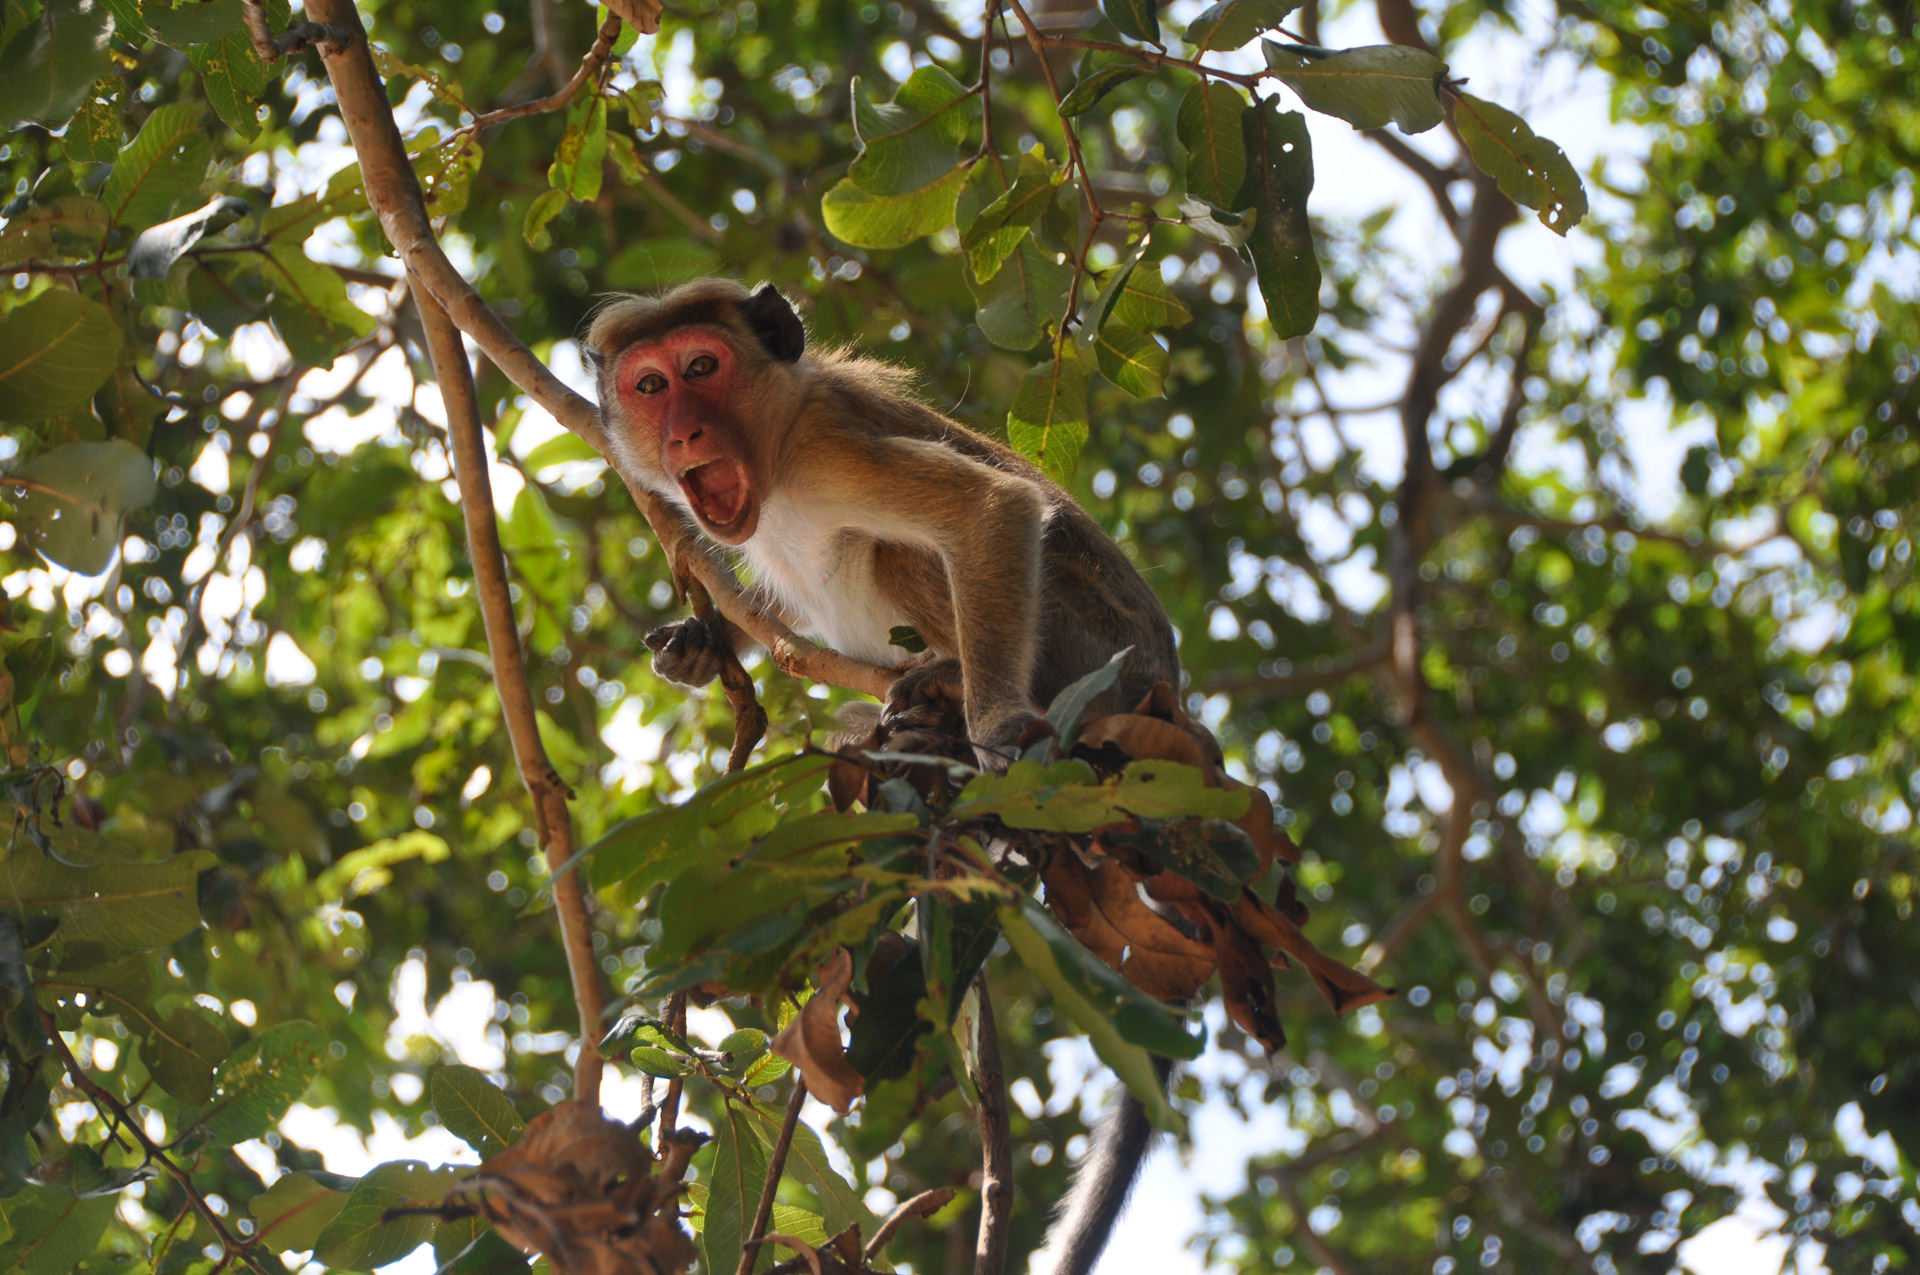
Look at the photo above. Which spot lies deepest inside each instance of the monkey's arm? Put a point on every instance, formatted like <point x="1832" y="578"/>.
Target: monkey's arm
<point x="985" y="525"/>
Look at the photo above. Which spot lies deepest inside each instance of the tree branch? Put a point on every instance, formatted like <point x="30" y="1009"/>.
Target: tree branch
<point x="996" y="1141"/>
<point x="776" y="1165"/>
<point x="590" y="67"/>
<point x="549" y="793"/>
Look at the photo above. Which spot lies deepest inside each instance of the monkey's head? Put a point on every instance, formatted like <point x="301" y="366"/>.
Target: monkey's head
<point x="688" y="381"/>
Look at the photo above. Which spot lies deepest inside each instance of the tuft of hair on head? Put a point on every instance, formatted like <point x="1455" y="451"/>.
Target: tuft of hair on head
<point x="763" y="315"/>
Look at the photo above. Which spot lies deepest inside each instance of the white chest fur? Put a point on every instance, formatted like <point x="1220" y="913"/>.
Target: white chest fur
<point x="822" y="572"/>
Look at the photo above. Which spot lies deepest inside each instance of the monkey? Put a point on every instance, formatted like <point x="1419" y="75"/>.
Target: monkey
<point x="860" y="509"/>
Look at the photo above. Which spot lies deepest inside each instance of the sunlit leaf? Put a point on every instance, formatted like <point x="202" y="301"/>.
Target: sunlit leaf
<point x="1530" y="170"/>
<point x="50" y="63"/>
<point x="1368" y="87"/>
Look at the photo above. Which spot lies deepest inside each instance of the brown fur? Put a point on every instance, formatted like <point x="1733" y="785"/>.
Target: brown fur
<point x="1043" y="595"/>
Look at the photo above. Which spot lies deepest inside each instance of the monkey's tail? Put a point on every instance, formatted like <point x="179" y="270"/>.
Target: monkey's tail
<point x="1102" y="1184"/>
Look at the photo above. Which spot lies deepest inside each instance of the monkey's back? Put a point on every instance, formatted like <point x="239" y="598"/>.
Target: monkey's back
<point x="1094" y="602"/>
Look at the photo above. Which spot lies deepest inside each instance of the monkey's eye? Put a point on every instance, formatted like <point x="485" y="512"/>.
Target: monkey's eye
<point x="704" y="365"/>
<point x="651" y="383"/>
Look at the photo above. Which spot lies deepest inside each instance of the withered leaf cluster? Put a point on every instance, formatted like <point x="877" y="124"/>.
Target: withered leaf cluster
<point x="587" y="1194"/>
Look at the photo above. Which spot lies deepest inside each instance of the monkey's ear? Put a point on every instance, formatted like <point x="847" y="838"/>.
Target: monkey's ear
<point x="775" y="323"/>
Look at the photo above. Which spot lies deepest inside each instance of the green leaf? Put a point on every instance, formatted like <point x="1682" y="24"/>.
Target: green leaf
<point x="561" y="449"/>
<point x="718" y="822"/>
<point x="1068" y="797"/>
<point x="473" y="1109"/>
<point x="540" y="214"/>
<point x="259" y="1082"/>
<point x="1214" y="855"/>
<point x="166" y="160"/>
<point x="1071" y="975"/>
<point x="1048" y="420"/>
<point x="96" y="135"/>
<point x="446" y="172"/>
<point x="1096" y="85"/>
<point x="361" y="1236"/>
<point x="581" y="160"/>
<point x="1024" y="298"/>
<point x="156" y="248"/>
<point x="1530" y="170"/>
<point x="72" y="226"/>
<point x="733" y="1190"/>
<point x="807" y="1164"/>
<point x="1229" y="24"/>
<point x="294" y="1211"/>
<point x="1132" y="360"/>
<point x="906" y="638"/>
<point x="123" y="907"/>
<point x="183" y="1051"/>
<point x="191" y="22"/>
<point x="1209" y="127"/>
<point x="1144" y="302"/>
<point x="310" y="307"/>
<point x="48" y="65"/>
<point x="1279" y="177"/>
<point x="991" y="236"/>
<point x="1135" y="18"/>
<point x="1368" y="87"/>
<point x="54" y="352"/>
<point x="363" y="871"/>
<point x="866" y="220"/>
<point x="911" y="142"/>
<point x="1229" y="229"/>
<point x="51" y="1230"/>
<point x="234" y="77"/>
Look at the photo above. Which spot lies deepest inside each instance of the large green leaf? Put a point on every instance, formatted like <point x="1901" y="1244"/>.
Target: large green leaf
<point x="364" y="1235"/>
<point x="1094" y="85"/>
<point x="294" y="1211"/>
<point x="581" y="160"/>
<point x="1068" y="797"/>
<point x="717" y="822"/>
<point x="182" y="1052"/>
<point x="1145" y="302"/>
<point x="1067" y="971"/>
<point x="80" y="493"/>
<point x="1530" y="170"/>
<point x="858" y="216"/>
<point x="70" y="226"/>
<point x="474" y="1110"/>
<point x="48" y="65"/>
<point x="911" y="142"/>
<point x="54" y="352"/>
<point x="191" y="22"/>
<point x="1134" y="18"/>
<point x="1228" y="24"/>
<point x="1209" y="127"/>
<point x="733" y="1190"/>
<point x="123" y="907"/>
<point x="51" y="1229"/>
<point x="807" y="1164"/>
<point x="1132" y="360"/>
<point x="1368" y="87"/>
<point x="166" y="160"/>
<point x="1279" y="178"/>
<point x="1048" y="420"/>
<point x="1024" y="298"/>
<point x="310" y="306"/>
<point x="234" y="77"/>
<point x="259" y="1082"/>
<point x="991" y="235"/>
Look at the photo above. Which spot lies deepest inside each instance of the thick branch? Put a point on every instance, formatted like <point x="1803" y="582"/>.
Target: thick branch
<point x="552" y="822"/>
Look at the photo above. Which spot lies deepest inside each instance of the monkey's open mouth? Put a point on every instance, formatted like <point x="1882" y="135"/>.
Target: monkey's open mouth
<point x="717" y="490"/>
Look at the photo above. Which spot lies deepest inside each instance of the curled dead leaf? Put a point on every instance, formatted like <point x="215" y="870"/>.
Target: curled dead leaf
<point x="584" y="1192"/>
<point x="642" y="15"/>
<point x="811" y="1042"/>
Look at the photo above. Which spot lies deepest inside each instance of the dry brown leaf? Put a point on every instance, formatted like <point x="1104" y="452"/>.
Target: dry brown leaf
<point x="1104" y="911"/>
<point x="811" y="1042"/>
<point x="1141" y="737"/>
<point x="582" y="1191"/>
<point x="1343" y="987"/>
<point x="642" y="15"/>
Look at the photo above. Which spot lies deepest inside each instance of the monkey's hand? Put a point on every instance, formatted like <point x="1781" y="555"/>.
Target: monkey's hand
<point x="1000" y="739"/>
<point x="689" y="652"/>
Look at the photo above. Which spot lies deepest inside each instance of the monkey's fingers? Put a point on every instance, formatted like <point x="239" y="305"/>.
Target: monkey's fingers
<point x="688" y="652"/>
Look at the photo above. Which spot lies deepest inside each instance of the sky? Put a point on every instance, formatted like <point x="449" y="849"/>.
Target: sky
<point x="1357" y="178"/>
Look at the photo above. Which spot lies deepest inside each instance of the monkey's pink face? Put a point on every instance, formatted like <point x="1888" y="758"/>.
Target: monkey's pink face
<point x="678" y="391"/>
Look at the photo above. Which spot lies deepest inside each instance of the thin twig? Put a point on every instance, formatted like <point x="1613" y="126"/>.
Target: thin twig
<point x="776" y="1165"/>
<point x="749" y="719"/>
<point x="591" y="65"/>
<point x="230" y="1245"/>
<point x="552" y="821"/>
<point x="996" y="1141"/>
<point x="676" y="1017"/>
